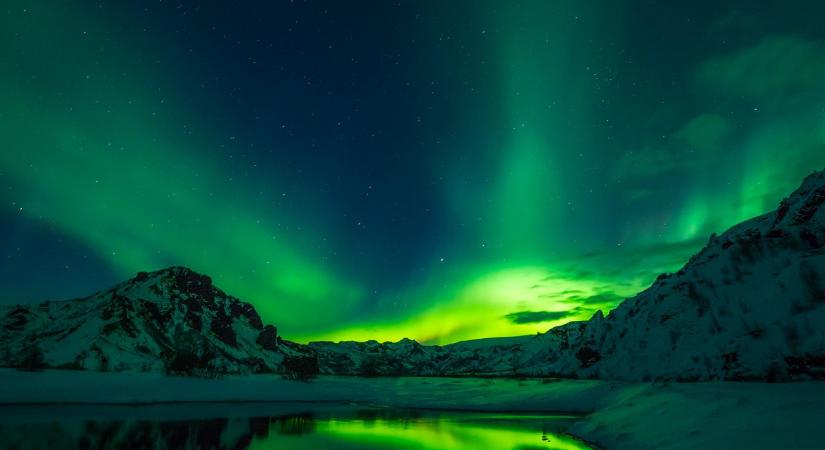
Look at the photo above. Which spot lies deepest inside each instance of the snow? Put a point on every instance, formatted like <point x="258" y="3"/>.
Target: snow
<point x="620" y="415"/>
<point x="54" y="386"/>
<point x="709" y="415"/>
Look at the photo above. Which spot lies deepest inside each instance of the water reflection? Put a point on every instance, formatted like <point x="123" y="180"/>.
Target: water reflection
<point x="386" y="429"/>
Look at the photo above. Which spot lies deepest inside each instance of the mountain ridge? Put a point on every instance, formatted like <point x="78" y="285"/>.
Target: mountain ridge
<point x="749" y="306"/>
<point x="171" y="319"/>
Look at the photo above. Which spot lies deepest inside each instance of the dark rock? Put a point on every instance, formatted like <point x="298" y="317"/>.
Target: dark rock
<point x="268" y="338"/>
<point x="193" y="319"/>
<point x="241" y="309"/>
<point x="810" y="207"/>
<point x="810" y="239"/>
<point x="193" y="305"/>
<point x="731" y="361"/>
<point x="300" y="367"/>
<point x="118" y="308"/>
<point x="784" y="206"/>
<point x="812" y="366"/>
<point x="775" y="233"/>
<point x="588" y="356"/>
<point x="18" y="317"/>
<point x="151" y="309"/>
<point x="189" y="281"/>
<point x="221" y="326"/>
<point x="193" y="313"/>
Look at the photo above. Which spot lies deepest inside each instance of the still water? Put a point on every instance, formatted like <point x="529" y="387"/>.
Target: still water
<point x="340" y="428"/>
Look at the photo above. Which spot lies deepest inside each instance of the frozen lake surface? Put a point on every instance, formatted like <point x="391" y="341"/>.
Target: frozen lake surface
<point x="613" y="415"/>
<point x="263" y="426"/>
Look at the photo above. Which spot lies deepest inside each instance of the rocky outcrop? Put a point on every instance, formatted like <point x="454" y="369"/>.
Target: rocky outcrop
<point x="268" y="338"/>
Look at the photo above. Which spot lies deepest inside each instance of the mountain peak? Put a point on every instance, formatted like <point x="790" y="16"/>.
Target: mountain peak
<point x="803" y="204"/>
<point x="173" y="319"/>
<point x="182" y="275"/>
<point x="175" y="283"/>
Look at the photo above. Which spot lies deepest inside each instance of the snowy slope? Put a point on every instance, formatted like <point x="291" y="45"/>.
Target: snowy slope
<point x="749" y="306"/>
<point x="170" y="318"/>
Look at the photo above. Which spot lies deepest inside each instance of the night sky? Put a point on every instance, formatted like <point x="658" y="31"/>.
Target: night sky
<point x="432" y="170"/>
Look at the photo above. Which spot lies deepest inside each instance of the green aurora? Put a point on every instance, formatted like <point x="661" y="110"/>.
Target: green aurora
<point x="468" y="173"/>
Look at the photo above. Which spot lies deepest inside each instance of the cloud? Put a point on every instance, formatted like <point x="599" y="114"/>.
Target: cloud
<point x="735" y="23"/>
<point x="703" y="133"/>
<point x="585" y="307"/>
<point x="599" y="300"/>
<point x="777" y="68"/>
<point x="776" y="72"/>
<point x="692" y="146"/>
<point x="523" y="317"/>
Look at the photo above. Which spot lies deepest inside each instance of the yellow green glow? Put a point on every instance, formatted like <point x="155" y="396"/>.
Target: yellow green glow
<point x="428" y="433"/>
<point x="477" y="309"/>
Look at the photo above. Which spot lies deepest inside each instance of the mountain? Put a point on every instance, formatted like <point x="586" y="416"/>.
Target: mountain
<point x="173" y="319"/>
<point x="749" y="306"/>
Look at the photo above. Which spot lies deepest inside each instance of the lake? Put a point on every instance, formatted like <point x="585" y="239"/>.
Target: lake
<point x="277" y="426"/>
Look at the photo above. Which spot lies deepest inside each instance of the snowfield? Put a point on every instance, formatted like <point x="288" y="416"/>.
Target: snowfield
<point x="619" y="415"/>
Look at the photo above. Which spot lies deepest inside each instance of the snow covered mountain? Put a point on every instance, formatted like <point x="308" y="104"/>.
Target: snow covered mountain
<point x="173" y="320"/>
<point x="749" y="306"/>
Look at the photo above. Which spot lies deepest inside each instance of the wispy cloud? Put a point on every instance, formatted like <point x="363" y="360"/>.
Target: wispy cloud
<point x="692" y="146"/>
<point x="778" y="68"/>
<point x="522" y="317"/>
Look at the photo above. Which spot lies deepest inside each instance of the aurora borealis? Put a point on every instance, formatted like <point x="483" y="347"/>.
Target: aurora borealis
<point x="379" y="170"/>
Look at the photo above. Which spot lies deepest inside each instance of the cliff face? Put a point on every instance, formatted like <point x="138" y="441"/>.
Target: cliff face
<point x="173" y="319"/>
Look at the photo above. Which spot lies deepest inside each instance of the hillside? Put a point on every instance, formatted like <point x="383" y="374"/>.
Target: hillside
<point x="173" y="319"/>
<point x="749" y="306"/>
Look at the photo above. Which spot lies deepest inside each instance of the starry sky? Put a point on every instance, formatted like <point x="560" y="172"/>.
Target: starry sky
<point x="381" y="169"/>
